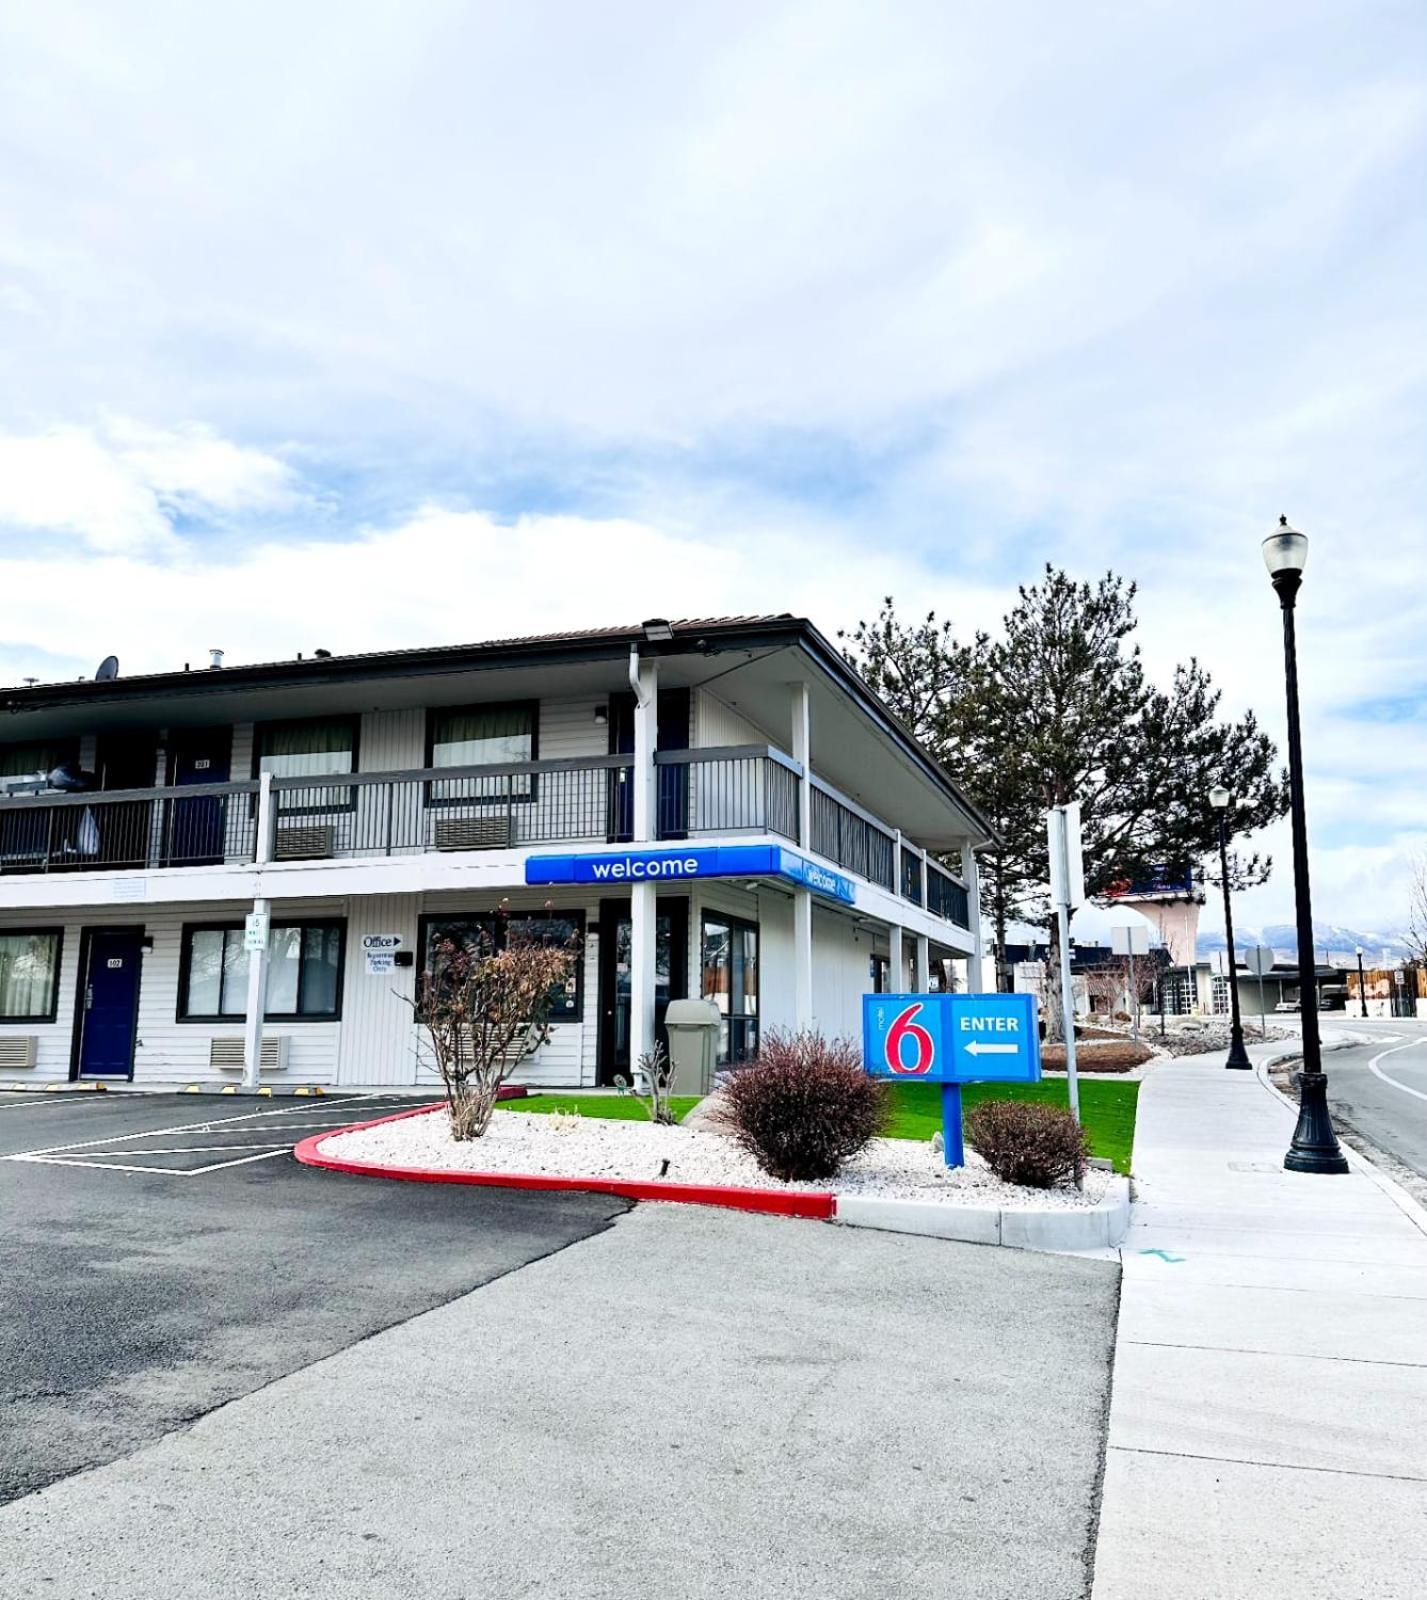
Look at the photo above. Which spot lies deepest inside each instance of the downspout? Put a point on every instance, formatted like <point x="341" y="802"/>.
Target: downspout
<point x="640" y="698"/>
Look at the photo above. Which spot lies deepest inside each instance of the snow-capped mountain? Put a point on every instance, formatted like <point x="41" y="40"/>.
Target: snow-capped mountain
<point x="1329" y="940"/>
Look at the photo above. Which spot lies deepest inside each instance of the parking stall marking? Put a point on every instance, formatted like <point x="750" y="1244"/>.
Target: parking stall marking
<point x="98" y="1155"/>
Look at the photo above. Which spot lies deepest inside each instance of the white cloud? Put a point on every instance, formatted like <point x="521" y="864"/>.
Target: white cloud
<point x="119" y="485"/>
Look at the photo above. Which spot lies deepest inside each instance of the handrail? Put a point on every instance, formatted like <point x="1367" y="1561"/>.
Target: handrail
<point x="728" y="752"/>
<point x="826" y="788"/>
<point x="89" y="797"/>
<point x="496" y="769"/>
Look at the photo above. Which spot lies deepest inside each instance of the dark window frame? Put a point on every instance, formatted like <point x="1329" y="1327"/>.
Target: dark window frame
<point x="437" y="803"/>
<point x="708" y="914"/>
<point x="337" y="807"/>
<point x="39" y="1016"/>
<point x="500" y="921"/>
<point x="185" y="962"/>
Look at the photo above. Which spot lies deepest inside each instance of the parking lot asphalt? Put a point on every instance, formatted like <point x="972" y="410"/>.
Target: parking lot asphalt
<point x="163" y="1254"/>
<point x="691" y="1403"/>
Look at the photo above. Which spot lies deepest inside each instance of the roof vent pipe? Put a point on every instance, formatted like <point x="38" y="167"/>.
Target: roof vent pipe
<point x="215" y="659"/>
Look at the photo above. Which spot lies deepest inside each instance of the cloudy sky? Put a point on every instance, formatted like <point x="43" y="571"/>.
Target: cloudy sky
<point x="417" y="320"/>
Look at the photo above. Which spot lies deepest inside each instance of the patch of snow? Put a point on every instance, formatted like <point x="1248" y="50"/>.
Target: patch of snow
<point x="593" y="1147"/>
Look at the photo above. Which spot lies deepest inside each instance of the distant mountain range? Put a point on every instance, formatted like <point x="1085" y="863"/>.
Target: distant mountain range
<point x="1327" y="939"/>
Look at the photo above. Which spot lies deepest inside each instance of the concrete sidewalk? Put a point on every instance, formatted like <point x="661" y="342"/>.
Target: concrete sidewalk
<point x="1268" y="1425"/>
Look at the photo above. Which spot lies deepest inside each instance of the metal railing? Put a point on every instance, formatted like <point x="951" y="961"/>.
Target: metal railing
<point x="738" y="789"/>
<point x="204" y="824"/>
<point x="946" y="897"/>
<point x="850" y="837"/>
<point x="730" y="789"/>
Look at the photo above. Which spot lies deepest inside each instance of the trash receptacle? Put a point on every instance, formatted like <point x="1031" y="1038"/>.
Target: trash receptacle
<point x="693" y="1027"/>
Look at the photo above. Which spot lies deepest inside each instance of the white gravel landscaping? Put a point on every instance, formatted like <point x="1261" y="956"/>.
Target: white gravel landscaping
<point x="592" y="1147"/>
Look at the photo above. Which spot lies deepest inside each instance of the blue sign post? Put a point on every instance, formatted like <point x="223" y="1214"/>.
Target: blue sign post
<point x="951" y="1039"/>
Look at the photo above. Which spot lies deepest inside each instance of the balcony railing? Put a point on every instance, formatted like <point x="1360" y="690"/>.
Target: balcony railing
<point x="739" y="789"/>
<point x="194" y="825"/>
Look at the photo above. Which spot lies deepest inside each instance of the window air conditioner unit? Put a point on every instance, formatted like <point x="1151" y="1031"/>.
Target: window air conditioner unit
<point x="17" y="1052"/>
<point x="472" y="833"/>
<point x="226" y="1055"/>
<point x="308" y="842"/>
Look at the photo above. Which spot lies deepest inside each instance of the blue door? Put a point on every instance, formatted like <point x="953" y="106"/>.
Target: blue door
<point x="110" y="1003"/>
<point x="197" y="827"/>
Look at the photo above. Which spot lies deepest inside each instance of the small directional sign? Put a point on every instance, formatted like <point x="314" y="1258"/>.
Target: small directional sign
<point x="994" y="1038"/>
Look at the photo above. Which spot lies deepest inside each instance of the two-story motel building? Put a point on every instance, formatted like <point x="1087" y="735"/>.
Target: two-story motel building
<point x="719" y="808"/>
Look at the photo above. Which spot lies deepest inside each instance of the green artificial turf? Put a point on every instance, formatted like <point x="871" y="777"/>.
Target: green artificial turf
<point x="1107" y="1110"/>
<point x="615" y="1107"/>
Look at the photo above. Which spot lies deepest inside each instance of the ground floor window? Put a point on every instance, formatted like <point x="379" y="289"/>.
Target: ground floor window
<point x="730" y="967"/>
<point x="304" y="973"/>
<point x="29" y="974"/>
<point x="879" y="971"/>
<point x="481" y="933"/>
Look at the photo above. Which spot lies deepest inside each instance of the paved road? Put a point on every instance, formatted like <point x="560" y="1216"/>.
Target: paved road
<point x="1380" y="1090"/>
<point x="165" y="1254"/>
<point x="691" y="1403"/>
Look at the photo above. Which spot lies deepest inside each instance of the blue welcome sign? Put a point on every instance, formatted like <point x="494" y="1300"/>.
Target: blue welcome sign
<point x="951" y="1039"/>
<point x="623" y="867"/>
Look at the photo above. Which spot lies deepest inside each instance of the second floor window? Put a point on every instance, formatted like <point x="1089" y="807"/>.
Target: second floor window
<point x="314" y="747"/>
<point x="484" y="736"/>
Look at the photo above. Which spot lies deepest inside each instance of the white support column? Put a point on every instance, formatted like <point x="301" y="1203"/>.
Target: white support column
<point x="258" y="959"/>
<point x="926" y="885"/>
<point x="921" y="976"/>
<point x="971" y="876"/>
<point x="802" y="753"/>
<point x="896" y="970"/>
<point x="643" y="912"/>
<point x="803" y="958"/>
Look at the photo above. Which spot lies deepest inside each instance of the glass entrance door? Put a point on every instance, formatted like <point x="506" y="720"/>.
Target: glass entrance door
<point x="671" y="970"/>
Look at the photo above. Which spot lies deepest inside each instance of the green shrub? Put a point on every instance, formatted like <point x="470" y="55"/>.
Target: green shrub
<point x="1034" y="1145"/>
<point x="804" y="1106"/>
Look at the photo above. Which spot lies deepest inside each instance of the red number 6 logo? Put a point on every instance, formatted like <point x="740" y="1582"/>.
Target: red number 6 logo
<point x="903" y="1027"/>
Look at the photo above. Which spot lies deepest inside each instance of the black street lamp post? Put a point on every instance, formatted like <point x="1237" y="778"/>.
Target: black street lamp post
<point x="1238" y="1057"/>
<point x="1362" y="983"/>
<point x="1315" y="1145"/>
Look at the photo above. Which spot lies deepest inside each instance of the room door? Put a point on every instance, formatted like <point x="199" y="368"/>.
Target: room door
<point x="197" y="827"/>
<point x="671" y="819"/>
<point x="109" y="1002"/>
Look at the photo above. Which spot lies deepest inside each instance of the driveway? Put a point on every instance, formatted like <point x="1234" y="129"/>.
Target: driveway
<point x="684" y="1403"/>
<point x="164" y="1254"/>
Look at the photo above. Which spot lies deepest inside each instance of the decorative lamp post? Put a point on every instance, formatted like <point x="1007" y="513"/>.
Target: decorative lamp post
<point x="1362" y="983"/>
<point x="1238" y="1056"/>
<point x="1315" y="1145"/>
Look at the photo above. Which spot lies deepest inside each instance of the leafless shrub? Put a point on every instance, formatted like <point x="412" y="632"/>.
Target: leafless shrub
<point x="1026" y="1143"/>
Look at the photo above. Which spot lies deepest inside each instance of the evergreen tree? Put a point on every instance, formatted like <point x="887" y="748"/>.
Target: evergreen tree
<point x="1058" y="707"/>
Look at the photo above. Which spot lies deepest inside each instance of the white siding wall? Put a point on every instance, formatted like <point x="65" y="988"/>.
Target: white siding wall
<point x="568" y="729"/>
<point x="167" y="1050"/>
<point x="392" y="741"/>
<point x="718" y="723"/>
<point x="378" y="1032"/>
<point x="842" y="954"/>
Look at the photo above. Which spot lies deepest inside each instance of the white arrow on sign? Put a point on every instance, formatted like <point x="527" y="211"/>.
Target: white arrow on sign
<point x="975" y="1048"/>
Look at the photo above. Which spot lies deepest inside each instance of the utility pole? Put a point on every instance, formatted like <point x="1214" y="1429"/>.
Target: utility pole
<point x="1067" y="891"/>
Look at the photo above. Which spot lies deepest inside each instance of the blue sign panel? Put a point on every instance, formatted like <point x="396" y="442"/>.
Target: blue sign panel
<point x="620" y="868"/>
<point x="995" y="1038"/>
<point x="951" y="1039"/>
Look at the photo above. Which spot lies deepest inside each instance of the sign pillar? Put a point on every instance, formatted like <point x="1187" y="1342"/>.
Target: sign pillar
<point x="255" y="938"/>
<point x="643" y="914"/>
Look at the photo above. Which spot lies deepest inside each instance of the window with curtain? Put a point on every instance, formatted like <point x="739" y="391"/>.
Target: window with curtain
<point x="484" y="736"/>
<point x="29" y="974"/>
<point x="304" y="973"/>
<point x="730" y="980"/>
<point x="312" y="748"/>
<point x="483" y="934"/>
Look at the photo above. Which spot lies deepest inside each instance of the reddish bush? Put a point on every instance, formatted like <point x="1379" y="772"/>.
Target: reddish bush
<point x="804" y="1106"/>
<point x="1035" y="1145"/>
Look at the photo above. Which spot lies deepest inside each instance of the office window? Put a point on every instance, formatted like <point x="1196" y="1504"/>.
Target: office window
<point x="304" y="973"/>
<point x="29" y="974"/>
<point x="484" y="933"/>
<point x="730" y="980"/>
<point x="484" y="736"/>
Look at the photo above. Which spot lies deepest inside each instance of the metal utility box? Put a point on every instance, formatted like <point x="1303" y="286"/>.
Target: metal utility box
<point x="693" y="1027"/>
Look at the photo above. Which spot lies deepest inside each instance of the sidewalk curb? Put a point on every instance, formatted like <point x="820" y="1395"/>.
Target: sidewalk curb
<point x="777" y="1202"/>
<point x="1101" y="1227"/>
<point x="1399" y="1196"/>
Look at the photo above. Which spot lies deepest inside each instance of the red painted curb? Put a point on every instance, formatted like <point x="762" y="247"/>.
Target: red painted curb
<point x="777" y="1202"/>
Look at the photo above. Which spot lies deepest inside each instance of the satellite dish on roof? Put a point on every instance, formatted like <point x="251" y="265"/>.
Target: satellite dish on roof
<point x="108" y="670"/>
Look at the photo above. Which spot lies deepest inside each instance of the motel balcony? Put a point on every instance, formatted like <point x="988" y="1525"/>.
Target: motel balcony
<point x="731" y="792"/>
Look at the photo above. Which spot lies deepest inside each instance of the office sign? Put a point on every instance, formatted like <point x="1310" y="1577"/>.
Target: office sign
<point x="379" y="951"/>
<point x="674" y="863"/>
<point x="951" y="1039"/>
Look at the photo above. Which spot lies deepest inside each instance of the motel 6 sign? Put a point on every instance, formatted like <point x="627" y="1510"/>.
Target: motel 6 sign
<point x="951" y="1039"/>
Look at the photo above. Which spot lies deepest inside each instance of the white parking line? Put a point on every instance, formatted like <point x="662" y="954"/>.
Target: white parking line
<point x="1377" y="1071"/>
<point x="206" y="1126"/>
<point x="167" y="1172"/>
